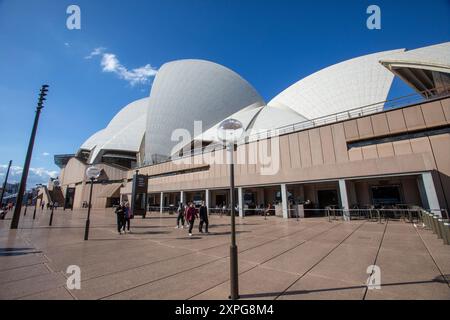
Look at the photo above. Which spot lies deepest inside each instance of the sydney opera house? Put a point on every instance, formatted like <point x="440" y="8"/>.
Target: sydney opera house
<point x="332" y="139"/>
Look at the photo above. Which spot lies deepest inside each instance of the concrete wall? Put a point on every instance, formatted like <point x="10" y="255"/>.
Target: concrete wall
<point x="74" y="176"/>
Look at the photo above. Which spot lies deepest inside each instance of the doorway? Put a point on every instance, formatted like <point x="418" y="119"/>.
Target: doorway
<point x="386" y="195"/>
<point x="327" y="198"/>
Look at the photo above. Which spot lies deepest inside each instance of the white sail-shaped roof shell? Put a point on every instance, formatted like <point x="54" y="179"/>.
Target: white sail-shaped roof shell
<point x="347" y="85"/>
<point x="185" y="91"/>
<point x="435" y="57"/>
<point x="124" y="132"/>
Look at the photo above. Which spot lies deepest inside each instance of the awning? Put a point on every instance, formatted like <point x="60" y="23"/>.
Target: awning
<point x="109" y="189"/>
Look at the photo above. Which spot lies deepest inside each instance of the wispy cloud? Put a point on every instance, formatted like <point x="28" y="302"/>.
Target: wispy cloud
<point x="45" y="154"/>
<point x="96" y="52"/>
<point x="35" y="175"/>
<point x="110" y="63"/>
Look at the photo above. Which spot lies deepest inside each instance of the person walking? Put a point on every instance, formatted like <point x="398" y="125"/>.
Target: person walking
<point x="203" y="218"/>
<point x="186" y="208"/>
<point x="191" y="214"/>
<point x="120" y="212"/>
<point x="180" y="216"/>
<point x="42" y="205"/>
<point x="127" y="216"/>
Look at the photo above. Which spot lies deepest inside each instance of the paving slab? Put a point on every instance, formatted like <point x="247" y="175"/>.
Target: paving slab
<point x="278" y="259"/>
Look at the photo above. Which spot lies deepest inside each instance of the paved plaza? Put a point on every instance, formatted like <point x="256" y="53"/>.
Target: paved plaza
<point x="278" y="259"/>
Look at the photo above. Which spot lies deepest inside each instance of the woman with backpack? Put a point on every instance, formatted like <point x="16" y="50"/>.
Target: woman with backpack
<point x="127" y="216"/>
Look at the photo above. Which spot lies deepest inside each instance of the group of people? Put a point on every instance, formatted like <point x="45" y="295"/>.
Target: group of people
<point x="189" y="213"/>
<point x="124" y="215"/>
<point x="49" y="205"/>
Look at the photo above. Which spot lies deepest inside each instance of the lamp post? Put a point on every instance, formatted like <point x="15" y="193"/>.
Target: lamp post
<point x="26" y="167"/>
<point x="35" y="202"/>
<point x="229" y="132"/>
<point x="92" y="173"/>
<point x="55" y="184"/>
<point x="26" y="204"/>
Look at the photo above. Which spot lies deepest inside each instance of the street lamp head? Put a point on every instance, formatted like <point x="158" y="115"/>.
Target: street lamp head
<point x="230" y="130"/>
<point x="93" y="172"/>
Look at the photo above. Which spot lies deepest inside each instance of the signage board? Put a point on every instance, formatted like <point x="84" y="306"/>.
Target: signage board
<point x="138" y="203"/>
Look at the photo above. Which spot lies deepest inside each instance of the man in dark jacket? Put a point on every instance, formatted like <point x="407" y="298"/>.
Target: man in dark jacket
<point x="120" y="212"/>
<point x="203" y="218"/>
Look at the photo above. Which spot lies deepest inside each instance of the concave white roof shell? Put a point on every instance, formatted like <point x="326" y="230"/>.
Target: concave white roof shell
<point x="245" y="116"/>
<point x="124" y="132"/>
<point x="256" y="120"/>
<point x="435" y="57"/>
<point x="188" y="90"/>
<point x="275" y="117"/>
<point x="350" y="84"/>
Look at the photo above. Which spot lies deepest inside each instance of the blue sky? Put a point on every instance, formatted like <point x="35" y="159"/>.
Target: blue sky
<point x="272" y="44"/>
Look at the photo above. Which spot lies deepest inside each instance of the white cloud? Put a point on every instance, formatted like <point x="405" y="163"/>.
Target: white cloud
<point x="35" y="175"/>
<point x="96" y="52"/>
<point x="45" y="154"/>
<point x="110" y="63"/>
<point x="67" y="44"/>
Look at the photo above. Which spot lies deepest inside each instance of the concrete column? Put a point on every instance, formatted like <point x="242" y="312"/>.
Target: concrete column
<point x="182" y="197"/>
<point x="241" y="202"/>
<point x="344" y="199"/>
<point x="207" y="200"/>
<point x="284" y="201"/>
<point x="430" y="193"/>
<point x="161" y="203"/>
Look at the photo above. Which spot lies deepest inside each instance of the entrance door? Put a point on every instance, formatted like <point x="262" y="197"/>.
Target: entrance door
<point x="327" y="198"/>
<point x="69" y="199"/>
<point x="386" y="195"/>
<point x="221" y="199"/>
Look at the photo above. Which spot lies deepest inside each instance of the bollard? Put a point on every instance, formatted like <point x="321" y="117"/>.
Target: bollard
<point x="447" y="233"/>
<point x="427" y="220"/>
<point x="433" y="225"/>
<point x="436" y="226"/>
<point x="441" y="228"/>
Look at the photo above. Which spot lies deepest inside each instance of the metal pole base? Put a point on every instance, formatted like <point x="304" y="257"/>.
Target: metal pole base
<point x="86" y="230"/>
<point x="234" y="282"/>
<point x="51" y="218"/>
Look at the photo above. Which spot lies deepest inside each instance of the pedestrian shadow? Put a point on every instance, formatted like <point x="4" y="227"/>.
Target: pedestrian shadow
<point x="10" y="252"/>
<point x="225" y="233"/>
<point x="437" y="279"/>
<point x="190" y="238"/>
<point x="145" y="227"/>
<point x="150" y="232"/>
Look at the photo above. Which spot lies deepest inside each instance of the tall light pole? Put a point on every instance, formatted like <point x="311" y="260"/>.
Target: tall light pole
<point x="26" y="167"/>
<point x="92" y="173"/>
<point x="229" y="132"/>
<point x="35" y="202"/>
<point x="4" y="183"/>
